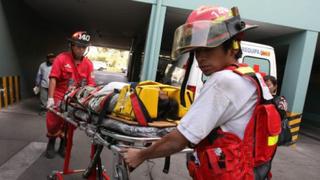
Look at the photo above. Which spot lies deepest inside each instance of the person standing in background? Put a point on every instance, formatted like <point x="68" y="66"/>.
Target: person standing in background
<point x="285" y="137"/>
<point x="272" y="84"/>
<point x="42" y="81"/>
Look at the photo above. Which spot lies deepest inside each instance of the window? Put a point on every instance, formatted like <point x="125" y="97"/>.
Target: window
<point x="258" y="64"/>
<point x="108" y="59"/>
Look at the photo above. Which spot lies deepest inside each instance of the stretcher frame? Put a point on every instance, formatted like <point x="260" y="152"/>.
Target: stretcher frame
<point x="71" y="126"/>
<point x="112" y="140"/>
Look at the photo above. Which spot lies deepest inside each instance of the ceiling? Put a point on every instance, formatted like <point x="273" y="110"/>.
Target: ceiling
<point x="111" y="23"/>
<point x="115" y="23"/>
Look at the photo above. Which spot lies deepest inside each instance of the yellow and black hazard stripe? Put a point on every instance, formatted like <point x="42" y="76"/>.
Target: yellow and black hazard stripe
<point x="294" y="123"/>
<point x="9" y="90"/>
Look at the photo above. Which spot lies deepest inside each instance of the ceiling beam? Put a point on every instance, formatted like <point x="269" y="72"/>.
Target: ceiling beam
<point x="291" y="13"/>
<point x="146" y="1"/>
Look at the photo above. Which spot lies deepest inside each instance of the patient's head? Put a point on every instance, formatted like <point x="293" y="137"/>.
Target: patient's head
<point x="167" y="107"/>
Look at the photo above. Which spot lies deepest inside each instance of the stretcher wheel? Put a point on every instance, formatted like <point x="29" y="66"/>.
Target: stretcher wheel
<point x="121" y="173"/>
<point x="52" y="177"/>
<point x="189" y="157"/>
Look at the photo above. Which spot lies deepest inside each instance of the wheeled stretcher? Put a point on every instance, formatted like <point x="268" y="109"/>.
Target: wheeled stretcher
<point x="126" y="117"/>
<point x="116" y="124"/>
<point x="105" y="131"/>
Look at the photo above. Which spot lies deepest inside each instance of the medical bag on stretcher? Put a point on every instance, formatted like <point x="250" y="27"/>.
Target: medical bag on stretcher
<point x="151" y="103"/>
<point x="147" y="103"/>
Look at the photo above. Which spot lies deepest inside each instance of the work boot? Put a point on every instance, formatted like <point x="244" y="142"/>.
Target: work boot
<point x="50" y="153"/>
<point x="62" y="147"/>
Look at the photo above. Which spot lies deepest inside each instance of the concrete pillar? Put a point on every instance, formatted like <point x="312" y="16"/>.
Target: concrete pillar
<point x="135" y="66"/>
<point x="298" y="69"/>
<point x="153" y="44"/>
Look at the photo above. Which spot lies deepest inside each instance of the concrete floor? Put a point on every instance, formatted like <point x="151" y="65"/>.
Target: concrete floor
<point x="22" y="143"/>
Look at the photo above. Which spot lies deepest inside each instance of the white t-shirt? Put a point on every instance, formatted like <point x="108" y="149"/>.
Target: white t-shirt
<point x="226" y="100"/>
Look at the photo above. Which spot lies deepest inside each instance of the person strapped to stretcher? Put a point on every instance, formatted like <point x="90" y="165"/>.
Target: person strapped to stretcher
<point x="146" y="104"/>
<point x="108" y="113"/>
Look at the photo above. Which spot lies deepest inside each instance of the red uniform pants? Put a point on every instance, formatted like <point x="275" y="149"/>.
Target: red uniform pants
<point x="55" y="124"/>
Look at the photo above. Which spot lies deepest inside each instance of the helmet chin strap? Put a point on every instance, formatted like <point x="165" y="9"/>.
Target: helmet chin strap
<point x="86" y="52"/>
<point x="185" y="79"/>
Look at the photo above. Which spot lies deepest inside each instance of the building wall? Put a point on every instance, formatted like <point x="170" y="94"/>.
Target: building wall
<point x="311" y="110"/>
<point x="9" y="64"/>
<point x="26" y="38"/>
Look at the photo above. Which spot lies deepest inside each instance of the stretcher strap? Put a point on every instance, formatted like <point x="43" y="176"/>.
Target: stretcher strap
<point x="69" y="98"/>
<point x="185" y="79"/>
<point x="91" y="94"/>
<point x="139" y="110"/>
<point x="166" y="166"/>
<point x="83" y="108"/>
<point x="105" y="108"/>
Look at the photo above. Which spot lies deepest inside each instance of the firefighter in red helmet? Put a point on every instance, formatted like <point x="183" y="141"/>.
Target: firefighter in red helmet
<point x="217" y="124"/>
<point x="70" y="68"/>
